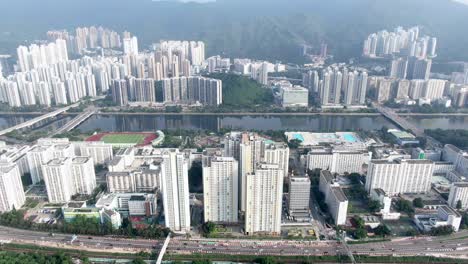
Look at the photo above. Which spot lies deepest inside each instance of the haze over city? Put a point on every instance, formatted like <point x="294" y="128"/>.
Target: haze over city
<point x="241" y="131"/>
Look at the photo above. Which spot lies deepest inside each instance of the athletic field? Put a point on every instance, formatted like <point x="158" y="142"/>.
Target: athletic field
<point x="137" y="139"/>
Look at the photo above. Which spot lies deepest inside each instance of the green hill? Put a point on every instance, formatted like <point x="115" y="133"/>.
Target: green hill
<point x="242" y="92"/>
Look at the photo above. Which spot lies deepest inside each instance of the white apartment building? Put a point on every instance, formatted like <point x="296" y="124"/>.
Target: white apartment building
<point x="434" y="89"/>
<point x="221" y="189"/>
<point x="400" y="176"/>
<point x="58" y="180"/>
<point x="63" y="150"/>
<point x="458" y="192"/>
<point x="175" y="190"/>
<point x="100" y="152"/>
<point x="334" y="197"/>
<point x="277" y="153"/>
<point x="11" y="188"/>
<point x="250" y="149"/>
<point x="338" y="161"/>
<point x="299" y="195"/>
<point x="84" y="177"/>
<point x="264" y="200"/>
<point x="120" y="182"/>
<point x="337" y="205"/>
<point x="458" y="157"/>
<point x="15" y="155"/>
<point x="38" y="156"/>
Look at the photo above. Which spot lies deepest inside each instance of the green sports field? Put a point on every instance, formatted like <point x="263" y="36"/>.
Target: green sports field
<point x="124" y="138"/>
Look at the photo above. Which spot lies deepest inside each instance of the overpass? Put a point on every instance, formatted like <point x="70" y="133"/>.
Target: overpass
<point x="44" y="117"/>
<point x="405" y="124"/>
<point x="163" y="249"/>
<point x="75" y="121"/>
<point x="398" y="120"/>
<point x="38" y="119"/>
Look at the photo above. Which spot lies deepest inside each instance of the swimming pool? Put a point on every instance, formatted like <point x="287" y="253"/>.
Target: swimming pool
<point x="298" y="137"/>
<point x="349" y="138"/>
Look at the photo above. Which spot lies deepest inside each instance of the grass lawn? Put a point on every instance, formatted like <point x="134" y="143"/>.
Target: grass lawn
<point x="124" y="138"/>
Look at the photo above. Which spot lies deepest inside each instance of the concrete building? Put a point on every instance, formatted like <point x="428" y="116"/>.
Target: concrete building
<point x="400" y="176"/>
<point x="385" y="203"/>
<point x="337" y="161"/>
<point x="11" y="188"/>
<point x="220" y="189"/>
<point x="458" y="157"/>
<point x="334" y="197"/>
<point x="445" y="216"/>
<point x="174" y="179"/>
<point x="83" y="175"/>
<point x="100" y="152"/>
<point x="38" y="156"/>
<point x="142" y="205"/>
<point x="264" y="200"/>
<point x="458" y="192"/>
<point x="190" y="90"/>
<point x="398" y="68"/>
<point x="250" y="149"/>
<point x="57" y="178"/>
<point x="299" y="197"/>
<point x="294" y="96"/>
<point x="111" y="216"/>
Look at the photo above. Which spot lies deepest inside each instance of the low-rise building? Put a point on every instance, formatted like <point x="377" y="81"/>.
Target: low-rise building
<point x="403" y="137"/>
<point x="294" y="96"/>
<point x="445" y="216"/>
<point x="139" y="204"/>
<point x="142" y="205"/>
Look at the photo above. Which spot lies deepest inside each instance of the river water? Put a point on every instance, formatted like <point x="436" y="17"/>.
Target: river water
<point x="215" y="123"/>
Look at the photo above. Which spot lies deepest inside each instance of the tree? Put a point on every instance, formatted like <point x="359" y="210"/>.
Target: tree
<point x="138" y="260"/>
<point x="374" y="206"/>
<point x="294" y="143"/>
<point x="355" y="178"/>
<point x="382" y="230"/>
<point x="208" y="228"/>
<point x="403" y="205"/>
<point x="360" y="233"/>
<point x="418" y="203"/>
<point x="266" y="260"/>
<point x="359" y="222"/>
<point x="459" y="205"/>
<point x="442" y="230"/>
<point x="201" y="261"/>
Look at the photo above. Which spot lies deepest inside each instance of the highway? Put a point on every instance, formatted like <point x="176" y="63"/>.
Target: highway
<point x="44" y="117"/>
<point x="452" y="246"/>
<point x="75" y="121"/>
<point x="38" y="119"/>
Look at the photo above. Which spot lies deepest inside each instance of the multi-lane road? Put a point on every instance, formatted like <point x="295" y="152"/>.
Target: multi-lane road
<point x="452" y="246"/>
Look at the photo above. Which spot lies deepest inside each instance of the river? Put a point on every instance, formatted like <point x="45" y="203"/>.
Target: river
<point x="215" y="123"/>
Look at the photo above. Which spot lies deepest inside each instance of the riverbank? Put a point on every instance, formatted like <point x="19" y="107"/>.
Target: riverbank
<point x="240" y="114"/>
<point x="246" y="114"/>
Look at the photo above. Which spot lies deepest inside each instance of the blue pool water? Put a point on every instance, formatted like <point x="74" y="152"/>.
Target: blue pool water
<point x="298" y="137"/>
<point x="350" y="138"/>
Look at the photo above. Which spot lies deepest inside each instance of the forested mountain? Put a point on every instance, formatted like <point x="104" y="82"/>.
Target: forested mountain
<point x="269" y="29"/>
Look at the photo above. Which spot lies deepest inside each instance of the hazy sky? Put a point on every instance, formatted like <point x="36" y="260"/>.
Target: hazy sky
<point x="462" y="1"/>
